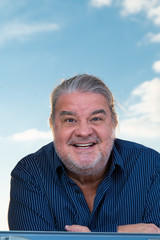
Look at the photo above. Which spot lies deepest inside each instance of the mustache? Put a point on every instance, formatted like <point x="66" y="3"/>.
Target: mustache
<point x="76" y="140"/>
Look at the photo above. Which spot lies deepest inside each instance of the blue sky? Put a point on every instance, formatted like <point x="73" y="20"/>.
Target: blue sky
<point x="43" y="41"/>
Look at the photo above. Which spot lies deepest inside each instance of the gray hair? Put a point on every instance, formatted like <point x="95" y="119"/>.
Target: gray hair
<point x="83" y="83"/>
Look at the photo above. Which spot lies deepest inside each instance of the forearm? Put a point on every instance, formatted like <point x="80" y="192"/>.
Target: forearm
<point x="138" y="228"/>
<point x="132" y="228"/>
<point x="79" y="228"/>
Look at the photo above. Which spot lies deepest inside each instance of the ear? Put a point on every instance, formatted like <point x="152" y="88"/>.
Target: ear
<point x="51" y="123"/>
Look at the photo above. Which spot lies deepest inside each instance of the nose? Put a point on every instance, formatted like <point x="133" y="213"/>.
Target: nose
<point x="83" y="130"/>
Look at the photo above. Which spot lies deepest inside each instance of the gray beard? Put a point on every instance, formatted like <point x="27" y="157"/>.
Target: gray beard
<point x="85" y="170"/>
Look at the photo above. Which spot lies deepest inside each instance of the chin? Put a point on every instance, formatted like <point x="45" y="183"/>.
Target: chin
<point x="82" y="167"/>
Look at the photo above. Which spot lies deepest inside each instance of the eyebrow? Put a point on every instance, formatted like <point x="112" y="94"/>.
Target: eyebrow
<point x="99" y="111"/>
<point x="67" y="113"/>
<point x="70" y="113"/>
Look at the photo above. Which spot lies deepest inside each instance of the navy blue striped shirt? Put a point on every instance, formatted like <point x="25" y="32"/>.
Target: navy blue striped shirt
<point x="44" y="198"/>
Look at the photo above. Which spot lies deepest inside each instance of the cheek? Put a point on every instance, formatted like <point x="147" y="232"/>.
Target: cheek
<point x="106" y="132"/>
<point x="62" y="135"/>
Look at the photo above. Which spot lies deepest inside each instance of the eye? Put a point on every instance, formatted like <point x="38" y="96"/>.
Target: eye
<point x="95" y="119"/>
<point x="70" y="120"/>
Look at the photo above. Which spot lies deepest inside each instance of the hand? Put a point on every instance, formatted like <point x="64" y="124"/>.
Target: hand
<point x="77" y="228"/>
<point x="139" y="228"/>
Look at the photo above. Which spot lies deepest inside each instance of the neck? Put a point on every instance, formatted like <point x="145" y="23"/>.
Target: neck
<point x="88" y="180"/>
<point x="88" y="186"/>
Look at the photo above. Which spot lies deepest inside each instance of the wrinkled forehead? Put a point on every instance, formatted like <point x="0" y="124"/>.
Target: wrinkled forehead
<point x="78" y="102"/>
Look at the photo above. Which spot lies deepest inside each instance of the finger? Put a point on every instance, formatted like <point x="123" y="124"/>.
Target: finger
<point x="76" y="228"/>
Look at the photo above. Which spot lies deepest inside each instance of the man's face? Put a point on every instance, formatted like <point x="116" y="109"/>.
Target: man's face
<point x="83" y="132"/>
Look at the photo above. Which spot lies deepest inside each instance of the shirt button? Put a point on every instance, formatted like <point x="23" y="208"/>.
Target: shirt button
<point x="77" y="191"/>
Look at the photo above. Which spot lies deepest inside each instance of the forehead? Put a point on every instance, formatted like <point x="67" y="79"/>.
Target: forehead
<point x="81" y="102"/>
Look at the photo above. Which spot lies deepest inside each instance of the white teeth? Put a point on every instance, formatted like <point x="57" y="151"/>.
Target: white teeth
<point x="81" y="145"/>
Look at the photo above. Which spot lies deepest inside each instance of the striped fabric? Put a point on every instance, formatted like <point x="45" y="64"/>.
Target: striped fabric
<point x="43" y="198"/>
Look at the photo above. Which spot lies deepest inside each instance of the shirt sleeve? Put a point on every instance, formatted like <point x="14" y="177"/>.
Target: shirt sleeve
<point x="152" y="207"/>
<point x="28" y="208"/>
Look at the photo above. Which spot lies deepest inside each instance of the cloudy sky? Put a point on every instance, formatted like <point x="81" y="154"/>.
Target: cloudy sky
<point x="43" y="41"/>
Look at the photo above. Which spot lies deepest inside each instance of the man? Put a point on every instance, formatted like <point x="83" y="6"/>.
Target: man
<point x="86" y="180"/>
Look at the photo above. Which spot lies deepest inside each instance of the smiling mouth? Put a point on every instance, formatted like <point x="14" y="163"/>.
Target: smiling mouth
<point x="83" y="145"/>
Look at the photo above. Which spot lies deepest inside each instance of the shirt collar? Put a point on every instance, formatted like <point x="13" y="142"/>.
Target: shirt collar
<point x="116" y="160"/>
<point x="58" y="165"/>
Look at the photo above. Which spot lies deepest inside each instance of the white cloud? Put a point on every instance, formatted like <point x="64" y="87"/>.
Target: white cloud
<point x="132" y="6"/>
<point x="100" y="3"/>
<point x="32" y="135"/>
<point x="153" y="38"/>
<point x="140" y="127"/>
<point x="137" y="6"/>
<point x="143" y="118"/>
<point x="150" y="38"/>
<point x="154" y="14"/>
<point x="156" y="66"/>
<point x="150" y="9"/>
<point x="148" y="92"/>
<point x="18" y="31"/>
